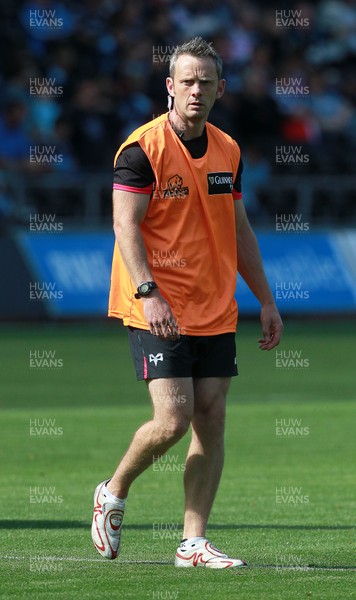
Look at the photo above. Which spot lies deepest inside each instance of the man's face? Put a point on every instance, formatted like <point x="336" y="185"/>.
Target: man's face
<point x="195" y="87"/>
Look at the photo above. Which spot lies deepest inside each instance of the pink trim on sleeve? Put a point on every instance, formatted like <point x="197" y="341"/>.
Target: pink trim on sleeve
<point x="136" y="190"/>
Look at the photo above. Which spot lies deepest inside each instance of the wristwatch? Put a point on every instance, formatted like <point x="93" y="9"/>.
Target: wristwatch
<point x="144" y="289"/>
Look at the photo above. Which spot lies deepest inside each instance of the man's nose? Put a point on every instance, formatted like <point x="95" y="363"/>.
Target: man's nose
<point x="196" y="91"/>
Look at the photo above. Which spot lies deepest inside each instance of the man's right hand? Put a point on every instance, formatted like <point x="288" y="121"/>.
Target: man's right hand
<point x="159" y="316"/>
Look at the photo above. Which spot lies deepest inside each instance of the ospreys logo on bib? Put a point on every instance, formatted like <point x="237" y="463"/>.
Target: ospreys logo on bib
<point x="175" y="187"/>
<point x="220" y="183"/>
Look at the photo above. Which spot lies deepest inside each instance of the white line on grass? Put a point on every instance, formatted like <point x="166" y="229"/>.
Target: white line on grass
<point x="162" y="562"/>
<point x="77" y="559"/>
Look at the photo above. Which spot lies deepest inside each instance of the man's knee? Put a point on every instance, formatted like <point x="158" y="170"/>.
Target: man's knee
<point x="213" y="416"/>
<point x="209" y="421"/>
<point x="174" y="428"/>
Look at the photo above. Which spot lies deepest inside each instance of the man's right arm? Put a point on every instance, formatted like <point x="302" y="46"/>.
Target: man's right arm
<point x="129" y="210"/>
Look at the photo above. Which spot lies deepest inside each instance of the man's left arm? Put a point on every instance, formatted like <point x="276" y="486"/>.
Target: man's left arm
<point x="251" y="269"/>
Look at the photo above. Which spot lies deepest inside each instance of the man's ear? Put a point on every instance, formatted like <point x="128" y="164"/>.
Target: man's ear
<point x="221" y="88"/>
<point x="170" y="86"/>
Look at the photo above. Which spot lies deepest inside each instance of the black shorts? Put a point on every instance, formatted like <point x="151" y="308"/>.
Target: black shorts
<point x="189" y="356"/>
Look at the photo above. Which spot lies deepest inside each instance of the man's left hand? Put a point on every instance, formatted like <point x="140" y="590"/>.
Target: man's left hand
<point x="272" y="327"/>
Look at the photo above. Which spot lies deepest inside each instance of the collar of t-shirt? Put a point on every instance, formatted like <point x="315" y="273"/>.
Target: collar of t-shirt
<point x="197" y="146"/>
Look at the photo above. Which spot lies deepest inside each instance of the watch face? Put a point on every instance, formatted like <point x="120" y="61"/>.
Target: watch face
<point x="144" y="288"/>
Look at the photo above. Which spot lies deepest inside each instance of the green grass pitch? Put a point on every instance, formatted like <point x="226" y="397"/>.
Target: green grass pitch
<point x="286" y="502"/>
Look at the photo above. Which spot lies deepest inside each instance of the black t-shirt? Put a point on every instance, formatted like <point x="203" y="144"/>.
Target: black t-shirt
<point x="133" y="169"/>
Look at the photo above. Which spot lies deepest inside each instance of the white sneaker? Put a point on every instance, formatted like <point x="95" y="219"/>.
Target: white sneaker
<point x="107" y="521"/>
<point x="203" y="554"/>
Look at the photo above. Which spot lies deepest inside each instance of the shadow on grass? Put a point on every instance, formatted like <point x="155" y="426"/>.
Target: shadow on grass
<point x="47" y="524"/>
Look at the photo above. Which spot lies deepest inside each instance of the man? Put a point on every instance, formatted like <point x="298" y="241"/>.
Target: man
<point x="177" y="195"/>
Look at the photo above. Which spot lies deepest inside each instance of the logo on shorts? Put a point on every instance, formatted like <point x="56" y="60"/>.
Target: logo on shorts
<point x="220" y="183"/>
<point x="175" y="187"/>
<point x="155" y="358"/>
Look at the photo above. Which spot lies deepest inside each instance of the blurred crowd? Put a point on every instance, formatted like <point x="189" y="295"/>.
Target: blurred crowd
<point x="80" y="76"/>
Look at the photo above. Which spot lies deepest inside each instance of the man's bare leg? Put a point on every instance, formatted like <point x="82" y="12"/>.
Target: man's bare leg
<point x="206" y="453"/>
<point x="170" y="422"/>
